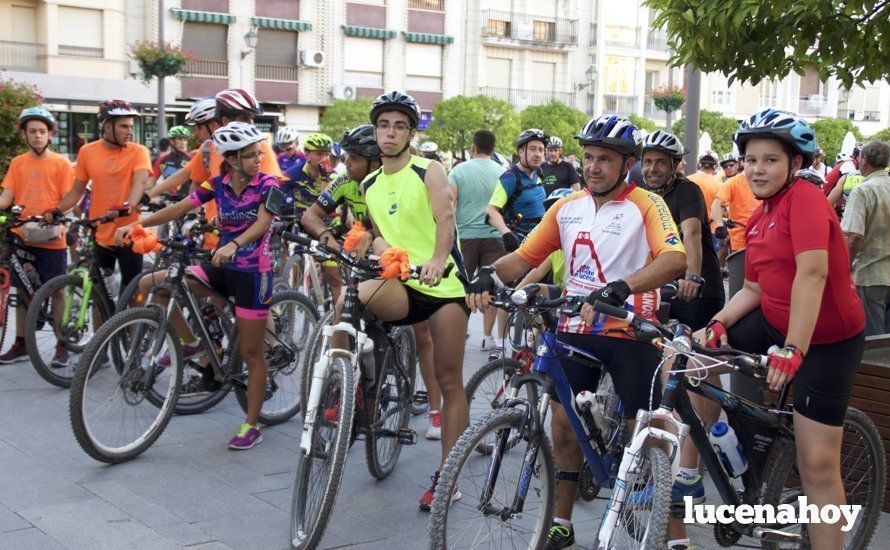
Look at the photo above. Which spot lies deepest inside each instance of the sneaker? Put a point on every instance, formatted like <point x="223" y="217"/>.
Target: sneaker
<point x="426" y="501"/>
<point x="495" y="353"/>
<point x="199" y="384"/>
<point x="435" y="429"/>
<point x="16" y="352"/>
<point x="559" y="537"/>
<point x="248" y="436"/>
<point x="188" y="353"/>
<point x="487" y="343"/>
<point x="696" y="489"/>
<point x="60" y="359"/>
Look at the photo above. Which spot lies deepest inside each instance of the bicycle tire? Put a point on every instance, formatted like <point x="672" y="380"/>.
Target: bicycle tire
<point x="463" y="451"/>
<point x="131" y="290"/>
<point x="312" y="355"/>
<point x="4" y="316"/>
<point x="92" y="359"/>
<point x="784" y="466"/>
<point x="498" y="372"/>
<point x="284" y="412"/>
<point x="309" y="536"/>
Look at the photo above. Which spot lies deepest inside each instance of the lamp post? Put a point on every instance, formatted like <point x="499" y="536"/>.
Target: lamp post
<point x="590" y="73"/>
<point x="250" y="41"/>
<point x="162" y="115"/>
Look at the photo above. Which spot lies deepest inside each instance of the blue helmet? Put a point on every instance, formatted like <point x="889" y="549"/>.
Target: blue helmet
<point x="37" y="113"/>
<point x="781" y="125"/>
<point x="612" y="132"/>
<point x="556" y="195"/>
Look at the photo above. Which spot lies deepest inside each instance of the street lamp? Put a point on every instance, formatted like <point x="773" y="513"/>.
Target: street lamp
<point x="590" y="73"/>
<point x="250" y="40"/>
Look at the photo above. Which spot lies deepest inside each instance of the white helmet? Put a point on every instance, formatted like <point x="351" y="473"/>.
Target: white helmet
<point x="843" y="157"/>
<point x="554" y="143"/>
<point x="664" y="142"/>
<point x="203" y="110"/>
<point x="428" y="147"/>
<point x="235" y="136"/>
<point x="286" y="134"/>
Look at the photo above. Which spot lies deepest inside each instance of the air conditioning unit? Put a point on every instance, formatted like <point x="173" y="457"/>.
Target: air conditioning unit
<point x="341" y="91"/>
<point x="312" y="58"/>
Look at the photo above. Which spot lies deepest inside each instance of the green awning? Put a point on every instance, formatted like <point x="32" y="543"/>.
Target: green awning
<point x="424" y="38"/>
<point x="282" y="24"/>
<point x="368" y="32"/>
<point x="203" y="16"/>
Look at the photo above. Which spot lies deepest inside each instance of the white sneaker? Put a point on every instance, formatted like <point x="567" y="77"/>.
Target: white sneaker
<point x="434" y="432"/>
<point x="487" y="343"/>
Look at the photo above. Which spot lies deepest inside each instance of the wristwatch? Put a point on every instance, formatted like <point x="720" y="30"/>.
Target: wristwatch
<point x="695" y="279"/>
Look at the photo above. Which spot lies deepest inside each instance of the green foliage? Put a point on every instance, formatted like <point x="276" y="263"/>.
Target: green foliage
<point x="457" y="118"/>
<point x="830" y="134"/>
<point x="883" y="135"/>
<point x="345" y="114"/>
<point x="721" y="129"/>
<point x="556" y="119"/>
<point x="668" y="99"/>
<point x="751" y="40"/>
<point x="644" y="123"/>
<point x="159" y="60"/>
<point x="14" y="96"/>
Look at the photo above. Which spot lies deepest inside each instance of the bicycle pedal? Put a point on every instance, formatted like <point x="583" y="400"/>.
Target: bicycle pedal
<point x="774" y="535"/>
<point x="407" y="436"/>
<point x="421" y="397"/>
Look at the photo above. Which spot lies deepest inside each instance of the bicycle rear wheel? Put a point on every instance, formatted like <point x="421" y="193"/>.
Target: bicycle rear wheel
<point x="487" y="391"/>
<point x="320" y="472"/>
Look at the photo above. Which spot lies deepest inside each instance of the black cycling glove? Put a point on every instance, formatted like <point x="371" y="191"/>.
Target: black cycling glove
<point x="614" y="293"/>
<point x="485" y="281"/>
<point x="511" y="241"/>
<point x="721" y="233"/>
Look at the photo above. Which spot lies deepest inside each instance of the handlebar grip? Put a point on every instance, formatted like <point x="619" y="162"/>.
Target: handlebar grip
<point x="448" y="269"/>
<point x="612" y="311"/>
<point x="297" y="238"/>
<point x="669" y="291"/>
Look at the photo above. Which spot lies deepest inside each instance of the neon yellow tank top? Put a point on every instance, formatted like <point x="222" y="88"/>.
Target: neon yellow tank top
<point x="399" y="206"/>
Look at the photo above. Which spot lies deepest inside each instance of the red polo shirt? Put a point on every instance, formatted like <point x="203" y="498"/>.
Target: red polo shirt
<point x="795" y="221"/>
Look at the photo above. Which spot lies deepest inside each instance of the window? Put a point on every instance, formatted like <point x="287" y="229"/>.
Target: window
<point x="498" y="28"/>
<point x="363" y="62"/>
<point x="619" y="74"/>
<point x="276" y="55"/>
<point x="498" y="71"/>
<point x="435" y="5"/>
<point x="24" y="24"/>
<point x="423" y="67"/>
<point x="80" y="32"/>
<point x="544" y="75"/>
<point x="207" y="43"/>
<point x="545" y="31"/>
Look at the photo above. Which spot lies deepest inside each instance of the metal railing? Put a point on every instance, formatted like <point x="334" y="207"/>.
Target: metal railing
<point x="21" y="55"/>
<point x="768" y="102"/>
<point x="524" y="98"/>
<point x="864" y="116"/>
<point x="625" y="37"/>
<point x="423" y="83"/>
<point x="277" y="72"/>
<point x="80" y="51"/>
<point x="657" y="40"/>
<point x="363" y="80"/>
<point x="432" y="5"/>
<point x="526" y="27"/>
<point x="207" y="67"/>
<point x="812" y="105"/>
<point x="619" y="104"/>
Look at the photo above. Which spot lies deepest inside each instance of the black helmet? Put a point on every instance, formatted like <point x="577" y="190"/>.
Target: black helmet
<point x="532" y="134"/>
<point x="360" y="141"/>
<point x="396" y="101"/>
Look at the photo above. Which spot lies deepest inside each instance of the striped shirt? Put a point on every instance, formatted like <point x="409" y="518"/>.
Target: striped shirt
<point x="868" y="214"/>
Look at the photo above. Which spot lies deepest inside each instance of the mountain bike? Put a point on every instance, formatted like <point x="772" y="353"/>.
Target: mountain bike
<point x="117" y="413"/>
<point x="300" y="271"/>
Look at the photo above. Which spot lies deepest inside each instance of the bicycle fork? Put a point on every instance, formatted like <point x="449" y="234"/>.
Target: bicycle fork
<point x="69" y="300"/>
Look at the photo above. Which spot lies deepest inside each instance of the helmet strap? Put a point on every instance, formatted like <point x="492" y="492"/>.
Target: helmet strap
<point x="113" y="139"/>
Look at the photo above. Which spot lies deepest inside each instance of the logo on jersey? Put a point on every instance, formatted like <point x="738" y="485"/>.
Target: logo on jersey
<point x="393" y="208"/>
<point x="672" y="239"/>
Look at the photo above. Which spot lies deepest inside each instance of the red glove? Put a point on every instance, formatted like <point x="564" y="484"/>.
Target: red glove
<point x="122" y="210"/>
<point x="713" y="333"/>
<point x="787" y="359"/>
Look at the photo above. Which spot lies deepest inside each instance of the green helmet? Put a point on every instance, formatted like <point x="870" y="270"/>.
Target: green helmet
<point x="178" y="132"/>
<point x="318" y="142"/>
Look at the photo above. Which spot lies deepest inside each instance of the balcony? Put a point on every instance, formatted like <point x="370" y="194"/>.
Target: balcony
<point x="431" y="5"/>
<point x="287" y="73"/>
<point x="22" y="56"/>
<point x="768" y="102"/>
<point x="619" y="104"/>
<point x="525" y="98"/>
<point x="657" y="40"/>
<point x="207" y="67"/>
<point x="360" y="79"/>
<point x="863" y="116"/>
<point x="80" y="51"/>
<point x="812" y="105"/>
<point x="527" y="28"/>
<point x="622" y="37"/>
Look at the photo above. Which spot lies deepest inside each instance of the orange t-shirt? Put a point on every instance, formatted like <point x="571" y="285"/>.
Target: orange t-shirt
<point x="737" y="195"/>
<point x="38" y="184"/>
<point x="709" y="186"/>
<point x="199" y="173"/>
<point x="111" y="171"/>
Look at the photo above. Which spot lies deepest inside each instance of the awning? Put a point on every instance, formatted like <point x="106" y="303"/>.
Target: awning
<point x="203" y="16"/>
<point x="424" y="38"/>
<point x="282" y="24"/>
<point x="368" y="32"/>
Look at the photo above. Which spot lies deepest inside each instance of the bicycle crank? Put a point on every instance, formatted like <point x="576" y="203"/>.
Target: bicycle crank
<point x="774" y="535"/>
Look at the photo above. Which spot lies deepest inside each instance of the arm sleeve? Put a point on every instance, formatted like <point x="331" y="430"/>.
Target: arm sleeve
<point x="502" y="192"/>
<point x="156" y="167"/>
<point x="661" y="231"/>
<point x="143" y="160"/>
<point x="544" y="240"/>
<point x="855" y="212"/>
<point x="201" y="195"/>
<point x="332" y="196"/>
<point x="573" y="175"/>
<point x="725" y="191"/>
<point x="80" y="170"/>
<point x="809" y="219"/>
<point x="197" y="171"/>
<point x="67" y="176"/>
<point x="692" y="204"/>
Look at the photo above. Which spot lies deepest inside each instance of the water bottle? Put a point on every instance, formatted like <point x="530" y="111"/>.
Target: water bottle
<point x="368" y="361"/>
<point x="591" y="409"/>
<point x="729" y="449"/>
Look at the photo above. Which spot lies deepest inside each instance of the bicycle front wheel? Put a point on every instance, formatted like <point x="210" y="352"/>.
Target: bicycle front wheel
<point x="312" y="355"/>
<point x="487" y="391"/>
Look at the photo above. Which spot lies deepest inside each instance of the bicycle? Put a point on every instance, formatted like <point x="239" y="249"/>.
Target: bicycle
<point x="370" y="381"/>
<point x="766" y="435"/>
<point x="140" y="390"/>
<point x="299" y="271"/>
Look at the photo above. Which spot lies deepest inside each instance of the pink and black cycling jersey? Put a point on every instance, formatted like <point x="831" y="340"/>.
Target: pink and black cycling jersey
<point x="236" y="214"/>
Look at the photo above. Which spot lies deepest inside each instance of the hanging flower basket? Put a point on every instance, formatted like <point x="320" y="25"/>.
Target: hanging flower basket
<point x="159" y="60"/>
<point x="668" y="99"/>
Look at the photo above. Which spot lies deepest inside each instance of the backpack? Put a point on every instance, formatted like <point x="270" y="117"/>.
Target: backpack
<point x="518" y="189"/>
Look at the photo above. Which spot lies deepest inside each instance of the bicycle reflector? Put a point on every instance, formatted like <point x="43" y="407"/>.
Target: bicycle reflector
<point x="356" y="232"/>
<point x="394" y="263"/>
<point x="144" y="240"/>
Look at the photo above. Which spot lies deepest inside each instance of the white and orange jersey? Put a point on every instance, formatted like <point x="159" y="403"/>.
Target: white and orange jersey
<point x="602" y="246"/>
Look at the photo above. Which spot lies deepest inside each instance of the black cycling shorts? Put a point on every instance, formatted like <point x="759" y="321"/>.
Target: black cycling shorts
<point x="632" y="365"/>
<point x="422" y="306"/>
<point x="824" y="382"/>
<point x="251" y="290"/>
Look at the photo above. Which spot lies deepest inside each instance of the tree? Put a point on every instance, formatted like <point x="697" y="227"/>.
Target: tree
<point x="721" y="129"/>
<point x="14" y="96"/>
<point x="883" y="135"/>
<point x="643" y="123"/>
<point x="830" y="134"/>
<point x="457" y="118"/>
<point x="750" y="41"/>
<point x="344" y="114"/>
<point x="556" y="119"/>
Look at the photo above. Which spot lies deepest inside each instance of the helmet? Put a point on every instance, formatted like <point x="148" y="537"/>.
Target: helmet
<point x="37" y="113"/>
<point x="729" y="157"/>
<point x="554" y="143"/>
<point x="556" y="195"/>
<point x="114" y="108"/>
<point x="532" y="134"/>
<point x="612" y="132"/>
<point x="318" y="142"/>
<point x="179" y="132"/>
<point x="781" y="125"/>
<point x="361" y="141"/>
<point x="203" y="110"/>
<point x="843" y="157"/>
<point x="396" y="101"/>
<point x="235" y="102"/>
<point x="428" y="147"/>
<point x="811" y="176"/>
<point x="664" y="142"/>
<point x="708" y="156"/>
<point x="235" y="136"/>
<point x="286" y="134"/>
<point x="337" y="151"/>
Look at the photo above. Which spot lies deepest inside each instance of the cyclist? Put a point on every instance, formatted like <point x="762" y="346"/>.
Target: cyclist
<point x="37" y="181"/>
<point x="305" y="180"/>
<point x="240" y="268"/>
<point x="410" y="207"/>
<point x="202" y="116"/>
<point x="706" y="179"/>
<point x="175" y="160"/>
<point x="799" y="303"/>
<point x="287" y="142"/>
<point x="558" y="173"/>
<point x="520" y="190"/>
<point x="818" y="166"/>
<point x="118" y="170"/>
<point x="729" y="165"/>
<point x="737" y="196"/>
<point x="429" y="150"/>
<point x="619" y="246"/>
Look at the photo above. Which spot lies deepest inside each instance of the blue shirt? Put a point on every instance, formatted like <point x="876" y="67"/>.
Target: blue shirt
<point x="529" y="201"/>
<point x="300" y="190"/>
